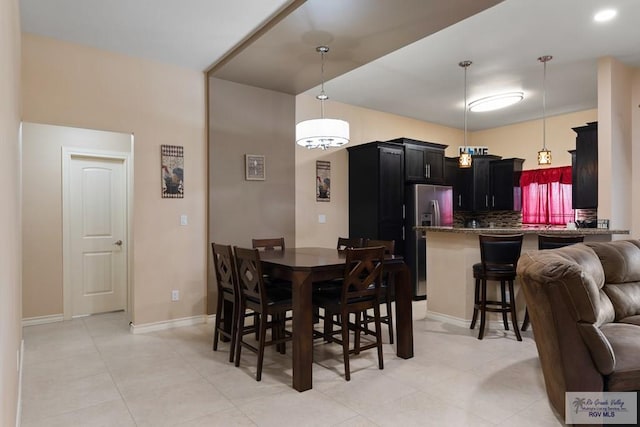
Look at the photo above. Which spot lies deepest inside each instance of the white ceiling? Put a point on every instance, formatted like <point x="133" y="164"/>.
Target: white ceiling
<point x="421" y="80"/>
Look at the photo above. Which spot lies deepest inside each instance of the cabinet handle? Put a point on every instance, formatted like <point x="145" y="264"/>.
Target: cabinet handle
<point x="427" y="171"/>
<point x="403" y="232"/>
<point x="493" y="201"/>
<point x="486" y="200"/>
<point x="459" y="200"/>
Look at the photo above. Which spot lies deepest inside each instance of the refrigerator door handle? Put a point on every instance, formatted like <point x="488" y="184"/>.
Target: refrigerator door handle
<point x="436" y="213"/>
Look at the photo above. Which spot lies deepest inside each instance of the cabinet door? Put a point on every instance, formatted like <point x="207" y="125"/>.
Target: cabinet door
<point x="463" y="190"/>
<point x="434" y="166"/>
<point x="506" y="194"/>
<point x="586" y="173"/>
<point x="391" y="197"/>
<point x="481" y="181"/>
<point x="415" y="162"/>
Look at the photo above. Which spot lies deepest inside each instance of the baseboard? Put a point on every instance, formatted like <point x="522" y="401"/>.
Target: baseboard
<point x="167" y="324"/>
<point x="210" y="318"/>
<point x="41" y="320"/>
<point x="19" y="405"/>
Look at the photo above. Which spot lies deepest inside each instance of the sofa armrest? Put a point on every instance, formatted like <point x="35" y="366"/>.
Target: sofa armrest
<point x="599" y="347"/>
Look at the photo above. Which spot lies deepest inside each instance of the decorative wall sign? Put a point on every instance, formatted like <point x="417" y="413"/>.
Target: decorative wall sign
<point x="473" y="150"/>
<point x="254" y="167"/>
<point x="172" y="165"/>
<point x="323" y="181"/>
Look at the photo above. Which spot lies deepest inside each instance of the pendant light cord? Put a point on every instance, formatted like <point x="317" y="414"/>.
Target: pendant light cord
<point x="544" y="59"/>
<point x="322" y="96"/>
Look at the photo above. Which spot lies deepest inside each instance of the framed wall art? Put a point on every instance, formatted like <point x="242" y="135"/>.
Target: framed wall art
<point x="254" y="167"/>
<point x="323" y="181"/>
<point x="172" y="166"/>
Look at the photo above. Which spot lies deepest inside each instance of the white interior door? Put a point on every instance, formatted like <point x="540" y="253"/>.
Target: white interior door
<point x="97" y="202"/>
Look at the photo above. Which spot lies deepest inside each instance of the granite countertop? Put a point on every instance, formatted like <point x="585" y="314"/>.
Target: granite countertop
<point x="524" y="230"/>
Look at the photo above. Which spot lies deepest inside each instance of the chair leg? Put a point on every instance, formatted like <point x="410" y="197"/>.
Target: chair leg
<point x="358" y="328"/>
<point x="483" y="308"/>
<point x="239" y="334"/>
<point x="376" y="313"/>
<point x="476" y="303"/>
<point x="525" y="322"/>
<point x="503" y="295"/>
<point x="234" y="332"/>
<point x="261" y="340"/>
<point x="345" y="345"/>
<point x="328" y="325"/>
<point x="514" y="319"/>
<point x="390" y="317"/>
<point x="216" y="327"/>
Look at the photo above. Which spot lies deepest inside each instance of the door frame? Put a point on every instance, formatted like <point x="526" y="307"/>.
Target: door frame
<point x="68" y="153"/>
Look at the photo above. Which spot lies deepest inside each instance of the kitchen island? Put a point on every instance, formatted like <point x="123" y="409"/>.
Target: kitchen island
<point x="451" y="253"/>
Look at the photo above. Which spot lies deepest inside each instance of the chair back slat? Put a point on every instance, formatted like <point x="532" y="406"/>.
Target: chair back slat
<point x="363" y="272"/>
<point x="389" y="245"/>
<point x="345" y="243"/>
<point x="500" y="250"/>
<point x="555" y="242"/>
<point x="225" y="269"/>
<point x="272" y="244"/>
<point x="249" y="273"/>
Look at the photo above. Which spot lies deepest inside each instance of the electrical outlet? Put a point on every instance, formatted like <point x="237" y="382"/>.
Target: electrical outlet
<point x="175" y="295"/>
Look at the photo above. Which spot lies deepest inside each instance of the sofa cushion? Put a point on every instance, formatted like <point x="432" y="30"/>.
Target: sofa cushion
<point x="624" y="338"/>
<point x="621" y="264"/>
<point x="634" y="320"/>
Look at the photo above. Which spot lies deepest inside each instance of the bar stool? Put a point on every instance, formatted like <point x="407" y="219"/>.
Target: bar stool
<point x="499" y="255"/>
<point x="551" y="242"/>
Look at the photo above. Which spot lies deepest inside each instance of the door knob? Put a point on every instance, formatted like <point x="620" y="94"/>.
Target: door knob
<point x="118" y="243"/>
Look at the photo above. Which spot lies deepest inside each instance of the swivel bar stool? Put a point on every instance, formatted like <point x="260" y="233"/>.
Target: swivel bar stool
<point x="499" y="255"/>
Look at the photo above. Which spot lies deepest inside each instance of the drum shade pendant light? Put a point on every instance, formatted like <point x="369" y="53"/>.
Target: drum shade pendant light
<point x="544" y="155"/>
<point x="465" y="159"/>
<point x="322" y="133"/>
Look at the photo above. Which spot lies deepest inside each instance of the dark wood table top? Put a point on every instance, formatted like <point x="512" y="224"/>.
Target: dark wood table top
<point x="308" y="258"/>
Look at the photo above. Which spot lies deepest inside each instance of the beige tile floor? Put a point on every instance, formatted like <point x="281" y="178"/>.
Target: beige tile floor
<point x="93" y="372"/>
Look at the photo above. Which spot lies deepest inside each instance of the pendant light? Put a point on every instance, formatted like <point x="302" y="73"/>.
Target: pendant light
<point x="465" y="159"/>
<point x="544" y="155"/>
<point x="322" y="133"/>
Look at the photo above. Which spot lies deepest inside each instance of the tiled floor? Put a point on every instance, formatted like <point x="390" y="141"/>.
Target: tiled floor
<point x="93" y="372"/>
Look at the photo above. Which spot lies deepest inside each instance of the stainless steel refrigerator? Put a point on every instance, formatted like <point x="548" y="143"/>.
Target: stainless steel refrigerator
<point x="425" y="205"/>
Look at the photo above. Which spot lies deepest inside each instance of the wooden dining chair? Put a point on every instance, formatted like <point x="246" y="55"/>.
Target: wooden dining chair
<point x="386" y="289"/>
<point x="349" y="242"/>
<point x="360" y="291"/>
<point x="270" y="303"/>
<point x="228" y="291"/>
<point x="271" y="244"/>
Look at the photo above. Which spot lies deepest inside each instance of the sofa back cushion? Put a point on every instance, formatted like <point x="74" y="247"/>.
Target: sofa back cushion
<point x="621" y="265"/>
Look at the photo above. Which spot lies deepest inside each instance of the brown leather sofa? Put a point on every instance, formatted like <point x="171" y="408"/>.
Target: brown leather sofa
<point x="584" y="305"/>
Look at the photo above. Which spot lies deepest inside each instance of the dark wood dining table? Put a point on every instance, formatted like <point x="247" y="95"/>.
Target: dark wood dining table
<point x="304" y="266"/>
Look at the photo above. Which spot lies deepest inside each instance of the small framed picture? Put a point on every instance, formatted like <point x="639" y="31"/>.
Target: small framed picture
<point x="323" y="181"/>
<point x="254" y="167"/>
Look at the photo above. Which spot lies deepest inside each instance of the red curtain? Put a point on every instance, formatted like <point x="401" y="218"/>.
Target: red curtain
<point x="546" y="196"/>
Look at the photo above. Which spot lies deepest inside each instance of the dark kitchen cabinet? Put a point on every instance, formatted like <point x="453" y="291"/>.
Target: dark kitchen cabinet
<point x="424" y="161"/>
<point x="472" y="190"/>
<point x="505" y="192"/>
<point x="585" y="167"/>
<point x="450" y="170"/>
<point x="376" y="192"/>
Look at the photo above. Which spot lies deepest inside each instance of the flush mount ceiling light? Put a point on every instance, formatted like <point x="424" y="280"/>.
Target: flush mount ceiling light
<point x="495" y="102"/>
<point x="322" y="133"/>
<point x="465" y="159"/>
<point x="605" y="15"/>
<point x="544" y="155"/>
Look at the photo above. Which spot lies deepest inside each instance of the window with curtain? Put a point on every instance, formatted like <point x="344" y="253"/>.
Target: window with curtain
<point x="546" y="196"/>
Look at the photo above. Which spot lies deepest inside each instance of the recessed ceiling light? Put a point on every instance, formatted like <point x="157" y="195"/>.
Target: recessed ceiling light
<point x="605" y="15"/>
<point x="495" y="102"/>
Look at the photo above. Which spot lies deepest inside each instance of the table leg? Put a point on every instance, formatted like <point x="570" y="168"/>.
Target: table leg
<point x="404" y="312"/>
<point x="302" y="331"/>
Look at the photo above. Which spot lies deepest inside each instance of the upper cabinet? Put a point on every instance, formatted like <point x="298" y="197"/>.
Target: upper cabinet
<point x="424" y="161"/>
<point x="585" y="167"/>
<point x="491" y="183"/>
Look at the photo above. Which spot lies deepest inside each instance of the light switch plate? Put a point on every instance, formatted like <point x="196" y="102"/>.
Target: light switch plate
<point x="322" y="218"/>
<point x="183" y="220"/>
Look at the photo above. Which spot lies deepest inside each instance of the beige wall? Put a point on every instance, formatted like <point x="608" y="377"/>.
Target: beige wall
<point x="72" y="85"/>
<point x="635" y="153"/>
<point x="524" y="140"/>
<point x="10" y="226"/>
<point x="249" y="120"/>
<point x="614" y="142"/>
<point x="42" y="287"/>
<point x="365" y="126"/>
